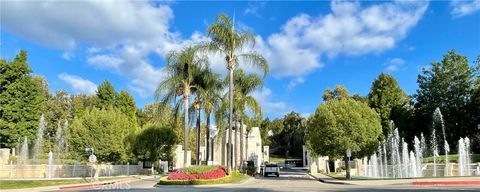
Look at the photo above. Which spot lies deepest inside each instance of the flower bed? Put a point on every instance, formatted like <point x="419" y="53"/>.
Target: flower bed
<point x="200" y="172"/>
<point x="235" y="177"/>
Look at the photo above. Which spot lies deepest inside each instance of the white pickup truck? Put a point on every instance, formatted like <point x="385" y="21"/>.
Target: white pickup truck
<point x="271" y="169"/>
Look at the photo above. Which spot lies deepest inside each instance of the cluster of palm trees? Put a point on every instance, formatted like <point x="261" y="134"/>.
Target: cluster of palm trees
<point x="189" y="75"/>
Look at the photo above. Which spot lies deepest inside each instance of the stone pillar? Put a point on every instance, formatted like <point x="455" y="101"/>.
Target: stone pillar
<point x="178" y="159"/>
<point x="266" y="153"/>
<point x="203" y="153"/>
<point x="189" y="158"/>
<point x="4" y="156"/>
<point x="305" y="156"/>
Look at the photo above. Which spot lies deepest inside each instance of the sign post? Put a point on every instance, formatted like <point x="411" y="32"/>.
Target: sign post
<point x="347" y="163"/>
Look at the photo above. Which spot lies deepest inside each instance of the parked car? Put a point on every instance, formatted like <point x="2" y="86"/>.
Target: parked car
<point x="271" y="169"/>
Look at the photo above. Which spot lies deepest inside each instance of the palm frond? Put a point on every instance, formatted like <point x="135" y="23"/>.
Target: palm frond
<point x="256" y="60"/>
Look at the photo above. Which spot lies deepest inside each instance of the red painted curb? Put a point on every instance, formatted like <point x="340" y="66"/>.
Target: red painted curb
<point x="86" y="185"/>
<point x="471" y="182"/>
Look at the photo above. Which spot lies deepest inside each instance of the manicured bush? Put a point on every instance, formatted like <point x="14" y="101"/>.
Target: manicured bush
<point x="200" y="169"/>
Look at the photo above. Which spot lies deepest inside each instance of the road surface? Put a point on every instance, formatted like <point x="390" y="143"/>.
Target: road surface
<point x="289" y="180"/>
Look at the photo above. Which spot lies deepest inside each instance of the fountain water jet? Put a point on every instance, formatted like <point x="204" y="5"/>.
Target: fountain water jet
<point x="464" y="156"/>
<point x="37" y="147"/>
<point x="413" y="165"/>
<point x="405" y="159"/>
<point x="24" y="151"/>
<point x="418" y="156"/>
<point x="434" y="151"/>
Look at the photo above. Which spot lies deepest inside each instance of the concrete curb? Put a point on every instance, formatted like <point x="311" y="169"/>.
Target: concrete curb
<point x="329" y="181"/>
<point x="78" y="186"/>
<point x="447" y="183"/>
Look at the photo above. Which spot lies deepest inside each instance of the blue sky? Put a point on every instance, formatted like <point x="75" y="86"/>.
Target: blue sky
<point x="310" y="45"/>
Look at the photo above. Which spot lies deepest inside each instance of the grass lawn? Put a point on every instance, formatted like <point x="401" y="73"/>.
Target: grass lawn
<point x="18" y="184"/>
<point x="336" y="176"/>
<point x="452" y="158"/>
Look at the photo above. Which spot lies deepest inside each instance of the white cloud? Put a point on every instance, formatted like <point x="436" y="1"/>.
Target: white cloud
<point x="119" y="35"/>
<point x="394" y="64"/>
<point x="67" y="55"/>
<point x="294" y="82"/>
<point x="464" y="8"/>
<point x="66" y="24"/>
<point x="78" y="84"/>
<point x="263" y="96"/>
<point x="254" y="7"/>
<point x="349" y="30"/>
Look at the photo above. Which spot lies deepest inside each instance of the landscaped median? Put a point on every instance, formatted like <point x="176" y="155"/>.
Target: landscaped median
<point x="202" y="175"/>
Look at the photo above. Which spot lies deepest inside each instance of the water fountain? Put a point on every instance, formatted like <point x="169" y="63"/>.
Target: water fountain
<point x="405" y="159"/>
<point x="464" y="156"/>
<point x="60" y="144"/>
<point x="385" y="164"/>
<point x="438" y="122"/>
<point x="434" y="151"/>
<point x="24" y="151"/>
<point x="413" y="165"/>
<point x="37" y="147"/>
<point x="418" y="155"/>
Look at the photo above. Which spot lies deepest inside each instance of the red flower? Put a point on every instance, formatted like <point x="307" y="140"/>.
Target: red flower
<point x="214" y="174"/>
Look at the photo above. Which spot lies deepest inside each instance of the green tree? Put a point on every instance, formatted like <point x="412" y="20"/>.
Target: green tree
<point x="385" y="94"/>
<point x="103" y="129"/>
<point x="293" y="134"/>
<point x="230" y="42"/>
<point x="154" y="143"/>
<point x="82" y="102"/>
<point x="448" y="84"/>
<point x="106" y="95"/>
<point x="337" y="93"/>
<point x="264" y="130"/>
<point x="22" y="101"/>
<point x="182" y="68"/>
<point x="126" y="104"/>
<point x="341" y="124"/>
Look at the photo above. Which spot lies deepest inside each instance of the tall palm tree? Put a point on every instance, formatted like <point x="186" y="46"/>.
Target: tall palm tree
<point x="181" y="68"/>
<point x="246" y="84"/>
<point x="230" y="42"/>
<point x="207" y="98"/>
<point x="211" y="100"/>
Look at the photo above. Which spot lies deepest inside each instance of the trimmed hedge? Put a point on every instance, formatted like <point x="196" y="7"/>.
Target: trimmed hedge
<point x="201" y="169"/>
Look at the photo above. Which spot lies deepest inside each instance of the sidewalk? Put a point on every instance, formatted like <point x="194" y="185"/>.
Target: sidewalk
<point x="79" y="186"/>
<point x="448" y="181"/>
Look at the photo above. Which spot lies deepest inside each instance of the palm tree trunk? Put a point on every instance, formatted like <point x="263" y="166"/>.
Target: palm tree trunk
<point x="230" y="119"/>
<point x="241" y="144"/>
<point x="185" y="131"/>
<point x="235" y="157"/>
<point x="198" y="137"/>
<point x="208" y="138"/>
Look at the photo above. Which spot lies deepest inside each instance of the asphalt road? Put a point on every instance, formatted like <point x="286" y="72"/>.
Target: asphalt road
<point x="289" y="180"/>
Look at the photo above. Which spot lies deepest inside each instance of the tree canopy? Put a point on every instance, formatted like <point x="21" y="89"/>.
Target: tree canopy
<point x="341" y="124"/>
<point x="154" y="143"/>
<point x="385" y="95"/>
<point x="22" y="101"/>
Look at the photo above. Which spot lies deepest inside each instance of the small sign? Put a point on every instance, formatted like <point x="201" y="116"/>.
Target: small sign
<point x="349" y="153"/>
<point x="92" y="159"/>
